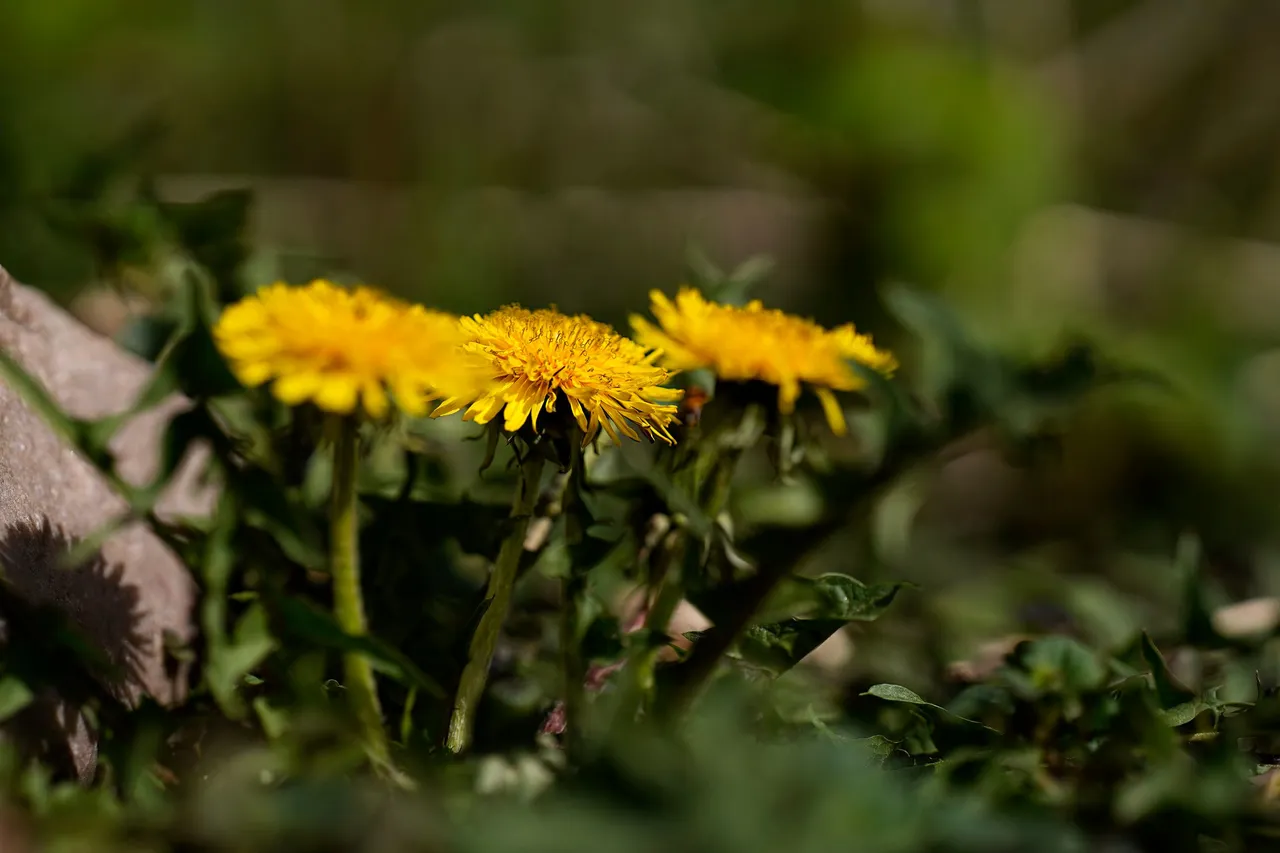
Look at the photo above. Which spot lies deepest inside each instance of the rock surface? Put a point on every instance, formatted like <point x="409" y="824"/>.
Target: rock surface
<point x="135" y="591"/>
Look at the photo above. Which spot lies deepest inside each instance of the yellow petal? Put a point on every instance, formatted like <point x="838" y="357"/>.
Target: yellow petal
<point x="788" y="392"/>
<point x="831" y="408"/>
<point x="578" y="415"/>
<point x="608" y="427"/>
<point x="537" y="409"/>
<point x="296" y="388"/>
<point x="662" y="395"/>
<point x="375" y="400"/>
<point x="254" y="373"/>
<point x="593" y="427"/>
<point x="449" y="406"/>
<point x="337" y="394"/>
<point x="624" y="427"/>
<point x="517" y="412"/>
<point x="483" y="410"/>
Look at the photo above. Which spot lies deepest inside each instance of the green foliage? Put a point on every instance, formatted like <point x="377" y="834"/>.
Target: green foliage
<point x="732" y="745"/>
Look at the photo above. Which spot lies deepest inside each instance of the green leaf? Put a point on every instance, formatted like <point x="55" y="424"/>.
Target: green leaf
<point x="217" y="564"/>
<point x="898" y="693"/>
<point x="1180" y="715"/>
<point x="752" y="270"/>
<point x="731" y="288"/>
<point x="949" y="730"/>
<point x="779" y="647"/>
<point x="878" y="745"/>
<point x="28" y="388"/>
<point x="274" y="721"/>
<point x="14" y="696"/>
<point x="201" y="367"/>
<point x="830" y="596"/>
<point x="1059" y="665"/>
<point x="250" y="644"/>
<point x="1170" y="691"/>
<point x="163" y="383"/>
<point x="194" y="357"/>
<point x="801" y="615"/>
<point x="147" y="336"/>
<point x="700" y="270"/>
<point x="1197" y="620"/>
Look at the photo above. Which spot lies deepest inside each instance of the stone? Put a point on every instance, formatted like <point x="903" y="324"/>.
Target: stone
<point x="134" y="592"/>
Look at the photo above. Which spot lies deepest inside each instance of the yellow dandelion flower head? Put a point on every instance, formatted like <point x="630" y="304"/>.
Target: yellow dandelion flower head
<point x="346" y="350"/>
<point x="753" y="343"/>
<point x="544" y="360"/>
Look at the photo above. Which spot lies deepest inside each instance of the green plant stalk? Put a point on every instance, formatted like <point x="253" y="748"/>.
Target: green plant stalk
<point x="723" y="466"/>
<point x="702" y="662"/>
<point x="348" y="600"/>
<point x="719" y="465"/>
<point x="573" y="667"/>
<point x="497" y="601"/>
<point x="669" y="594"/>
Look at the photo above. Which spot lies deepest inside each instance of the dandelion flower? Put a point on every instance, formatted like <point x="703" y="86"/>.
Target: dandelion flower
<point x="346" y="350"/>
<point x="544" y="361"/>
<point x="752" y="343"/>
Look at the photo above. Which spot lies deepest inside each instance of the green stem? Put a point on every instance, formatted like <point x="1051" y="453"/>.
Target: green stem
<point x="662" y="607"/>
<point x="348" y="601"/>
<point x="696" y="671"/>
<point x="497" y="601"/>
<point x="723" y="467"/>
<point x="714" y="494"/>
<point x="573" y="667"/>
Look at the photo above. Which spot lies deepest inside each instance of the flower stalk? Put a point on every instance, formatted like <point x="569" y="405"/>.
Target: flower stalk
<point x="662" y="599"/>
<point x="573" y="668"/>
<point x="573" y="587"/>
<point x="497" y="601"/>
<point x="348" y="600"/>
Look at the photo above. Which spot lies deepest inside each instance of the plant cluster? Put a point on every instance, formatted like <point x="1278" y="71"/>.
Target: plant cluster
<point x="399" y="653"/>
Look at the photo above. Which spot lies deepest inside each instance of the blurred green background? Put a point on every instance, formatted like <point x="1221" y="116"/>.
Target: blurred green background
<point x="1096" y="169"/>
